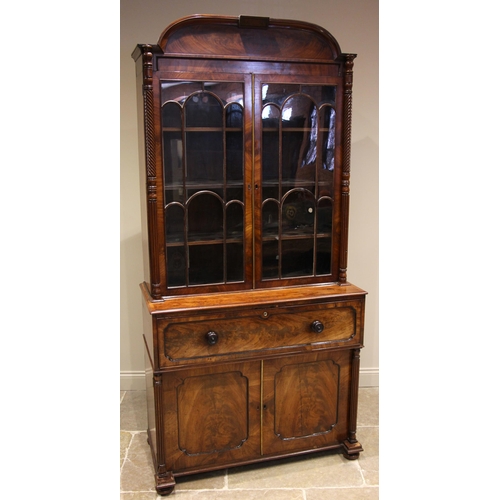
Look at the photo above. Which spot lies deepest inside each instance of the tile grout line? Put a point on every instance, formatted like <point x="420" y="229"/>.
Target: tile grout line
<point x="361" y="472"/>
<point x="125" y="458"/>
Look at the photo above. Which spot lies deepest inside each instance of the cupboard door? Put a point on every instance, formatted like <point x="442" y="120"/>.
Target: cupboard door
<point x="297" y="124"/>
<point x="205" y="200"/>
<point x="211" y="415"/>
<point x="305" y="401"/>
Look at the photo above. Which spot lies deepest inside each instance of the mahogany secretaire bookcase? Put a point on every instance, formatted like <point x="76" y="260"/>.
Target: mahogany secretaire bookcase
<point x="252" y="333"/>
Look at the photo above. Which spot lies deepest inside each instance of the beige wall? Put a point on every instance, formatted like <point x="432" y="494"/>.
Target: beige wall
<point x="354" y="23"/>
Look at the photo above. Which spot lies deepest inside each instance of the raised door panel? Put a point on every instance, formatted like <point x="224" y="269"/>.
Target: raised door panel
<point x="305" y="402"/>
<point x="211" y="415"/>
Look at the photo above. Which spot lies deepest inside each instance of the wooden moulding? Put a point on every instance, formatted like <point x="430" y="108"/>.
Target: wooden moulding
<point x="256" y="297"/>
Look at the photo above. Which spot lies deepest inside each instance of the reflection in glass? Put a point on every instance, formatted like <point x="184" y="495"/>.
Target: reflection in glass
<point x="270" y="116"/>
<point x="328" y="145"/>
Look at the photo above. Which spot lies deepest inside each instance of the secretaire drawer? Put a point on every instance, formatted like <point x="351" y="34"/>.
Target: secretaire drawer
<point x="260" y="331"/>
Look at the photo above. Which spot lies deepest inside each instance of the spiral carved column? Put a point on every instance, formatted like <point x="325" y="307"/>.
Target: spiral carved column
<point x="346" y="167"/>
<point x="151" y="170"/>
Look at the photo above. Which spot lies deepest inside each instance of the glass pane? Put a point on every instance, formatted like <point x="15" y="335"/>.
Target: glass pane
<point x="175" y="194"/>
<point x="234" y="220"/>
<point x="234" y="115"/>
<point x="297" y="112"/>
<point x="205" y="217"/>
<point x="203" y="110"/>
<point x="206" y="264"/>
<point x="270" y="116"/>
<point x="297" y="258"/>
<point x="226" y="91"/>
<point x="270" y="218"/>
<point x="234" y="193"/>
<point x="176" y="266"/>
<point x="235" y="262"/>
<point x="172" y="158"/>
<point x="324" y="256"/>
<point x="270" y="155"/>
<point x="174" y="224"/>
<point x="320" y="93"/>
<point x="270" y="259"/>
<point x="325" y="212"/>
<point x="234" y="156"/>
<point x="178" y="91"/>
<point x="171" y="115"/>
<point x="204" y="156"/>
<point x="270" y="192"/>
<point x="298" y="213"/>
<point x="278" y="92"/>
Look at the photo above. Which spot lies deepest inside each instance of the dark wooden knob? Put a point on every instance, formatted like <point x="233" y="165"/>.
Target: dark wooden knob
<point x="212" y="338"/>
<point x="317" y="326"/>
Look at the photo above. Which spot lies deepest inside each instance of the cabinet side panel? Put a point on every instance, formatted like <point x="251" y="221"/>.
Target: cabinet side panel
<point x="147" y="321"/>
<point x="147" y="331"/>
<point x="150" y="404"/>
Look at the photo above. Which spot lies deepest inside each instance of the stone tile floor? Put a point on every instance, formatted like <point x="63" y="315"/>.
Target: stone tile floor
<point x="319" y="476"/>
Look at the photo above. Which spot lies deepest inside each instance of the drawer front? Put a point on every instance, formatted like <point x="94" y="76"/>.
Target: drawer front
<point x="260" y="331"/>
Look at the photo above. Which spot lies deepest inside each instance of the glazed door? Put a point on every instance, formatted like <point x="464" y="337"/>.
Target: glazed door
<point x="305" y="401"/>
<point x="205" y="133"/>
<point x="298" y="180"/>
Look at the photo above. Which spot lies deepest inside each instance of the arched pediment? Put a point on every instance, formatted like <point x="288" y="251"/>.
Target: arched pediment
<point x="247" y="37"/>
